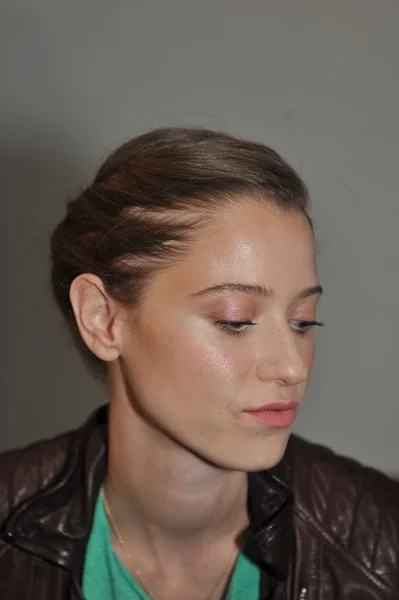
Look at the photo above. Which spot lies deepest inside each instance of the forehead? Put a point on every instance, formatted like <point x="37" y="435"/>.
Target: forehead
<point x="257" y="229"/>
<point x="250" y="243"/>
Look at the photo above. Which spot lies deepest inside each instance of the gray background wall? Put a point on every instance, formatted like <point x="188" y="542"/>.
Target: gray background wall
<point x="316" y="79"/>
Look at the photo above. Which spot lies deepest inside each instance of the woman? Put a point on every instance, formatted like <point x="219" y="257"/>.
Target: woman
<point x="187" y="275"/>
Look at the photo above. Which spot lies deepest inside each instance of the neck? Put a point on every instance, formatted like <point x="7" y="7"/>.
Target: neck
<point x="161" y="492"/>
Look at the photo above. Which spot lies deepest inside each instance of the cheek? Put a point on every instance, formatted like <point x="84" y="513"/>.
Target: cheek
<point x="188" y="363"/>
<point x="308" y="354"/>
<point x="207" y="362"/>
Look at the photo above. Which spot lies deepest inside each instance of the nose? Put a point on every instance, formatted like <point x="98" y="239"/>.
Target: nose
<point x="281" y="358"/>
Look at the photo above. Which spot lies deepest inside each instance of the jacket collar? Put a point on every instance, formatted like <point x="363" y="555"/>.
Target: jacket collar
<point x="55" y="524"/>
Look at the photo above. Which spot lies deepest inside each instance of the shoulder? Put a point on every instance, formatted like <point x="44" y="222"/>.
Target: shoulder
<point x="353" y="509"/>
<point x="26" y="471"/>
<point x="43" y="467"/>
<point x="321" y="476"/>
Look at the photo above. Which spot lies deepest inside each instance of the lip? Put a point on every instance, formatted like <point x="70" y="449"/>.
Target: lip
<point x="276" y="414"/>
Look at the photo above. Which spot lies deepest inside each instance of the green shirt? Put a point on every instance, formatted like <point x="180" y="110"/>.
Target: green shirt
<point x="106" y="578"/>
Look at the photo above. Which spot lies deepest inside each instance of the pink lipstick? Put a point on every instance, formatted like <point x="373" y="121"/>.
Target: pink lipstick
<point x="276" y="414"/>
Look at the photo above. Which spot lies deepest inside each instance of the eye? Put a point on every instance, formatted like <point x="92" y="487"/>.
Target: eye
<point x="302" y="327"/>
<point x="236" y="328"/>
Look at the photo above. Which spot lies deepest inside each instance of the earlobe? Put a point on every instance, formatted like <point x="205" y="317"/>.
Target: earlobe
<point x="95" y="314"/>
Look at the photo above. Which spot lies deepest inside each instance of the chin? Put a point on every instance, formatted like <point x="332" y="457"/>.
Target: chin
<point x="260" y="455"/>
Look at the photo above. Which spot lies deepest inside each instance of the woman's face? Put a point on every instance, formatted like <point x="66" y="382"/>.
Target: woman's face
<point x="221" y="332"/>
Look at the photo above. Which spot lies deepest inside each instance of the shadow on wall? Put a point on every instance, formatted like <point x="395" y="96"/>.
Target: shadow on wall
<point x="45" y="387"/>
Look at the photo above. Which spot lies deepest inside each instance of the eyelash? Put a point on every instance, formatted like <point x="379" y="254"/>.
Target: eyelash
<point x="306" y="326"/>
<point x="229" y="326"/>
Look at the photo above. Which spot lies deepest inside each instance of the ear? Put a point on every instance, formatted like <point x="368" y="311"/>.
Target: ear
<point x="95" y="314"/>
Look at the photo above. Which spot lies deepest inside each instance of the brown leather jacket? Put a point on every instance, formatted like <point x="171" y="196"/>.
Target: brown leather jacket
<point x="327" y="528"/>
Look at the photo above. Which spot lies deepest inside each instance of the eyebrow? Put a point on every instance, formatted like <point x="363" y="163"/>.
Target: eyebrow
<point x="255" y="290"/>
